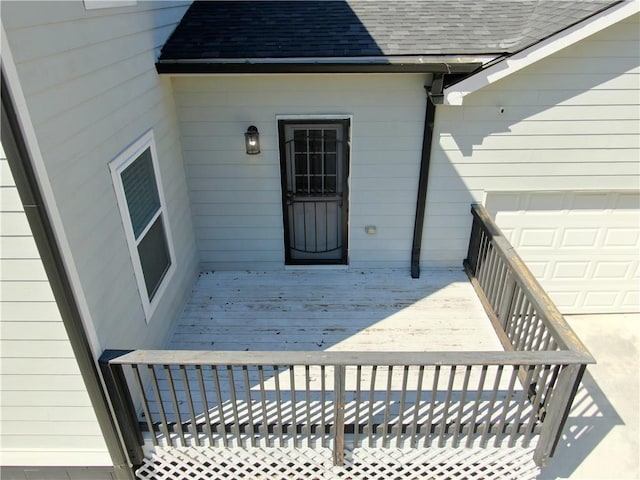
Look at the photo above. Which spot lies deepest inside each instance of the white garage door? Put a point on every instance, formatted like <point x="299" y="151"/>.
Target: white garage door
<point x="584" y="247"/>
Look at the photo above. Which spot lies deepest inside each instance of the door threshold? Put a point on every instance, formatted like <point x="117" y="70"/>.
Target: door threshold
<point x="316" y="267"/>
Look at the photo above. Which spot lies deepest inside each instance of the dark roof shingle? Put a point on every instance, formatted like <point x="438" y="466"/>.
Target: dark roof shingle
<point x="369" y="28"/>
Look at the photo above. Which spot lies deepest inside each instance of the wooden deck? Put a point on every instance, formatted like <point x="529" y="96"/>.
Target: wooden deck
<point x="340" y="310"/>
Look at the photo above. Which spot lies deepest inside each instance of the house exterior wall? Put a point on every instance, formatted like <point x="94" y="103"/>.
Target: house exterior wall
<point x="570" y="123"/>
<point x="89" y="89"/>
<point x="237" y="198"/>
<point x="46" y="417"/>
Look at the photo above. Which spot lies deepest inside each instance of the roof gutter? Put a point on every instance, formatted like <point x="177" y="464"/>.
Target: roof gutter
<point x="399" y="64"/>
<point x="19" y="160"/>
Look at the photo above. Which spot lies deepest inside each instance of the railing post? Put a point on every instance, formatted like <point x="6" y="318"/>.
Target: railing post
<point x="338" y="414"/>
<point x="507" y="299"/>
<point x="557" y="412"/>
<point x="122" y="404"/>
<point x="474" y="244"/>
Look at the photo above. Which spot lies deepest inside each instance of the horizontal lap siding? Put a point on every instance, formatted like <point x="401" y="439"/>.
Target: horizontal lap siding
<point x="570" y="122"/>
<point x="237" y="199"/>
<point x="91" y="89"/>
<point x="44" y="406"/>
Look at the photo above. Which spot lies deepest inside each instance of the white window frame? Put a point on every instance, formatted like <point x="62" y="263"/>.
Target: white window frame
<point x="117" y="166"/>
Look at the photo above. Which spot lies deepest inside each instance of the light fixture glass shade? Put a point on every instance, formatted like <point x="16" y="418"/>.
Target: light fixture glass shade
<point x="252" y="140"/>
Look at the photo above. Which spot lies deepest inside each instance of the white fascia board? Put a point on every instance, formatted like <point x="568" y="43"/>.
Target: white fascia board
<point x="455" y="94"/>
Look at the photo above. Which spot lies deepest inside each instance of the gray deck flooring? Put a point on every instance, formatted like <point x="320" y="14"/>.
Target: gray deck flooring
<point x="340" y="310"/>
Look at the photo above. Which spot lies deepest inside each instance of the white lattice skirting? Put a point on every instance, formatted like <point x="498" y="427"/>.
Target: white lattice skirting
<point x="316" y="464"/>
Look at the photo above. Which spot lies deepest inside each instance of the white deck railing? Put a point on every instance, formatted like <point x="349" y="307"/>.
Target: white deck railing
<point x="369" y="399"/>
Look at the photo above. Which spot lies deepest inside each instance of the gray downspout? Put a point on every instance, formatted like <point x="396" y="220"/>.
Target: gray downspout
<point x="20" y="165"/>
<point x="434" y="96"/>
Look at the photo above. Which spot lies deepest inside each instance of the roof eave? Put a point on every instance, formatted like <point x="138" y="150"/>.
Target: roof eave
<point x="417" y="64"/>
<point x="455" y="94"/>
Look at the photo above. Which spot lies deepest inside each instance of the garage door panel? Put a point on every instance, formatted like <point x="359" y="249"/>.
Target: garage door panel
<point x="622" y="237"/>
<point x="608" y="270"/>
<point x="580" y="237"/>
<point x="584" y="247"/>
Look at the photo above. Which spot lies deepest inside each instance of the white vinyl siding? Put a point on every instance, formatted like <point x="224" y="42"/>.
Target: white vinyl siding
<point x="237" y="199"/>
<point x="46" y="417"/>
<point x="571" y="122"/>
<point x="91" y="88"/>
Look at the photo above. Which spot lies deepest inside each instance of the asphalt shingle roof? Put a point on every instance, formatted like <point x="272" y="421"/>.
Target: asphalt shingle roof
<point x="332" y="28"/>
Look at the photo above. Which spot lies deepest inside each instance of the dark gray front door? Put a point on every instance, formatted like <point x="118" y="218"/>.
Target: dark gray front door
<point x="314" y="167"/>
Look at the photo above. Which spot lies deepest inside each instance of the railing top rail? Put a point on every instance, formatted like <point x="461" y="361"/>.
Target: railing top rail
<point x="284" y="358"/>
<point x="562" y="332"/>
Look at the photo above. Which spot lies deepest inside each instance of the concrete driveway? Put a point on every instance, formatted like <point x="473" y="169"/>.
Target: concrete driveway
<point x="602" y="432"/>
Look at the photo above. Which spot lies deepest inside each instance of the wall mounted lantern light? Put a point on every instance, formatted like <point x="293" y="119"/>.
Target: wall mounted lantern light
<point x="252" y="140"/>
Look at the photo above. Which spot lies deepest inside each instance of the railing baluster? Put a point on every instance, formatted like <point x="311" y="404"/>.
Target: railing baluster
<point x="521" y="404"/>
<point x="372" y="392"/>
<point x="403" y="398"/>
<point x="323" y="406"/>
<point x="533" y="332"/>
<point x="537" y="343"/>
<point x="222" y="423"/>
<point x="264" y="427"/>
<point x="488" y="266"/>
<point x="506" y="406"/>
<point x="338" y="415"/>
<point x="521" y="315"/>
<point x="514" y="319"/>
<point x="387" y="407"/>
<point x="476" y="406"/>
<point x="279" y="425"/>
<point x="508" y="297"/>
<point x="494" y="394"/>
<point x="356" y="427"/>
<point x="234" y="406"/>
<point x="481" y="273"/>
<point x="416" y="408"/>
<point x="164" y="424"/>
<point x="491" y="273"/>
<point x="549" y="389"/>
<point x="463" y="397"/>
<point x="205" y="405"/>
<point x="294" y="405"/>
<point x="536" y="404"/>
<point x="445" y="411"/>
<point x="526" y="326"/>
<point x="247" y="388"/>
<point x="192" y="414"/>
<point x="307" y="383"/>
<point x="432" y="407"/>
<point x="174" y="401"/>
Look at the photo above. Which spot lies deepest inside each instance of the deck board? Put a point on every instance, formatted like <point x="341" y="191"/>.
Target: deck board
<point x="342" y="310"/>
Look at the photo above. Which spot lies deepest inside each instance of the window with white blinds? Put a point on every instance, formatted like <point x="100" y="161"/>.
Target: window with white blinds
<point x="137" y="185"/>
